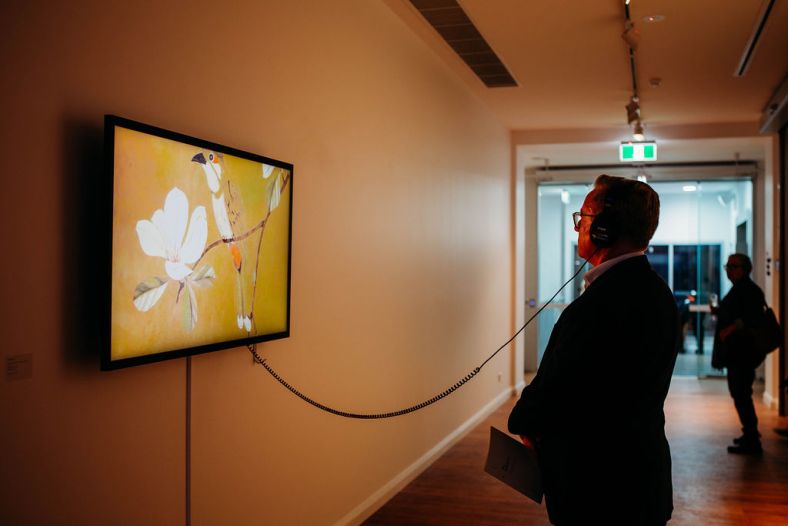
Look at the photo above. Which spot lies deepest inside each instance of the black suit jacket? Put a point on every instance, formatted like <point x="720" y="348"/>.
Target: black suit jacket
<point x="595" y="406"/>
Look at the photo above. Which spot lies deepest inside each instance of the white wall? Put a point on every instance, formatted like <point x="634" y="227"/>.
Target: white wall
<point x="401" y="259"/>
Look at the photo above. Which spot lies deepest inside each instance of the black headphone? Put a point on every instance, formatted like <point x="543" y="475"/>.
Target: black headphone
<point x="605" y="227"/>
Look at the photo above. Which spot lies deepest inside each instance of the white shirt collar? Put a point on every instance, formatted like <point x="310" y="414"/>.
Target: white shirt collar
<point x="603" y="267"/>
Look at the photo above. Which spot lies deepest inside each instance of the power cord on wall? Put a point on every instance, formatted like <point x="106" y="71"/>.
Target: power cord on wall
<point x="188" y="448"/>
<point x="421" y="405"/>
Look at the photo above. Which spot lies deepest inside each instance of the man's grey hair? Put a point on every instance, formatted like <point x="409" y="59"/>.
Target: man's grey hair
<point x="634" y="204"/>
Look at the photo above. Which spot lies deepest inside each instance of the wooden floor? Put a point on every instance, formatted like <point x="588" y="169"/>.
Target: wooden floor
<point x="710" y="486"/>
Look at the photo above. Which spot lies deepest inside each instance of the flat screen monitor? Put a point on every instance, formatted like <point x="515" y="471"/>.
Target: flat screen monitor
<point x="200" y="245"/>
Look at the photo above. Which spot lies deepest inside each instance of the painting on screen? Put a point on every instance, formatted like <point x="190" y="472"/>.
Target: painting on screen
<point x="200" y="246"/>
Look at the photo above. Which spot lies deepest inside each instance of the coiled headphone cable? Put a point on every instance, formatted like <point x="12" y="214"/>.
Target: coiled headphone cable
<point x="376" y="416"/>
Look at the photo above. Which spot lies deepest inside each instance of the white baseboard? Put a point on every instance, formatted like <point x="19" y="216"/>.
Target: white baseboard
<point x="375" y="501"/>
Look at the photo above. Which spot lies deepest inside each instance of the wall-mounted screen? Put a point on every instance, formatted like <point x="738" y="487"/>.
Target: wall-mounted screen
<point x="200" y="250"/>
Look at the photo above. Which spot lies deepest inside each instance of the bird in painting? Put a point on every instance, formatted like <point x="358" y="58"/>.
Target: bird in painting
<point x="226" y="212"/>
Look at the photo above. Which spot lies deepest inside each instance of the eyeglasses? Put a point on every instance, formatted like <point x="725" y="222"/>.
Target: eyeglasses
<point x="732" y="265"/>
<point x="578" y="216"/>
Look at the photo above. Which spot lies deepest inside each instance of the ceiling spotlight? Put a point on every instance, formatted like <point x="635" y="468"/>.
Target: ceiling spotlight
<point x="633" y="110"/>
<point x="631" y="35"/>
<point x="638" y="134"/>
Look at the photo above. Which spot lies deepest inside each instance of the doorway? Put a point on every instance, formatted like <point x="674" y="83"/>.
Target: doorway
<point x="701" y="223"/>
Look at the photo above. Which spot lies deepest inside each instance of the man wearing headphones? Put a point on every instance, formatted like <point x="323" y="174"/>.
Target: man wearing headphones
<point x="594" y="411"/>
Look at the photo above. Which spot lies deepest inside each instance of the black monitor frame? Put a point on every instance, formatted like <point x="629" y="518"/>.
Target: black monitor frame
<point x="110" y="124"/>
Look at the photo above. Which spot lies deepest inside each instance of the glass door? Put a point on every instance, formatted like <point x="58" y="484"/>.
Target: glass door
<point x="558" y="259"/>
<point x="705" y="221"/>
<point x="701" y="223"/>
<point x="696" y="281"/>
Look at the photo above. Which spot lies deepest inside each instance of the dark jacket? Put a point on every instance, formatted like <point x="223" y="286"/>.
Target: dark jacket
<point x="743" y="305"/>
<point x="595" y="406"/>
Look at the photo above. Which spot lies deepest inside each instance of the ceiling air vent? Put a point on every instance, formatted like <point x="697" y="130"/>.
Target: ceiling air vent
<point x="451" y="22"/>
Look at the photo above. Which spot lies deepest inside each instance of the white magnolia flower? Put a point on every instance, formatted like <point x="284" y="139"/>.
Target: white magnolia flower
<point x="166" y="236"/>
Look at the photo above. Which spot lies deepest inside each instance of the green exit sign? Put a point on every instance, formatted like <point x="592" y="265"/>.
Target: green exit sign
<point x="632" y="151"/>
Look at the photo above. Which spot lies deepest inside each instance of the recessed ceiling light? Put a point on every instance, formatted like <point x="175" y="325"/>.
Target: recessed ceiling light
<point x="653" y="18"/>
<point x="689" y="188"/>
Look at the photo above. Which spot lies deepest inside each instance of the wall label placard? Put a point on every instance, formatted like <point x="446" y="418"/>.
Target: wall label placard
<point x="19" y="367"/>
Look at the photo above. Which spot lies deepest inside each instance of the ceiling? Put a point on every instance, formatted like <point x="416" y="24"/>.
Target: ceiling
<point x="572" y="65"/>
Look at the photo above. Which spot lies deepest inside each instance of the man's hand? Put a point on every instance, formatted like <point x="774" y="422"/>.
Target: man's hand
<point x="529" y="443"/>
<point x="727" y="331"/>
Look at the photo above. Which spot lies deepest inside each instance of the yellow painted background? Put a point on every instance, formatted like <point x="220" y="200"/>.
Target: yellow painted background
<point x="146" y="169"/>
